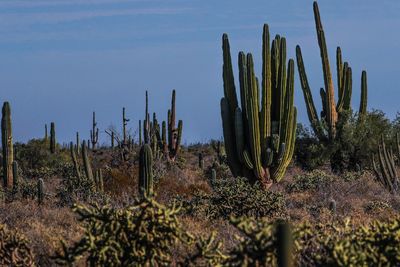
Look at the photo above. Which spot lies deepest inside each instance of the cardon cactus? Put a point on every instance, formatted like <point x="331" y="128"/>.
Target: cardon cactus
<point x="94" y="133"/>
<point x="174" y="134"/>
<point x="386" y="173"/>
<point x="325" y="127"/>
<point x="86" y="162"/>
<point x="145" y="171"/>
<point x="259" y="135"/>
<point x="7" y="145"/>
<point x="52" y="138"/>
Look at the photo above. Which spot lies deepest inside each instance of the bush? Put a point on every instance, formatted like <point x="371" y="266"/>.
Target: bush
<point x="139" y="235"/>
<point x="14" y="249"/>
<point x="237" y="197"/>
<point x="310" y="181"/>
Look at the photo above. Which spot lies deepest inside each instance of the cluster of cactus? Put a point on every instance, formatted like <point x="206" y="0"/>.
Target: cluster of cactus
<point x="260" y="135"/>
<point x="325" y="127"/>
<point x="52" y="138"/>
<point x="386" y="173"/>
<point x="152" y="229"/>
<point x="7" y="145"/>
<point x="145" y="171"/>
<point x="94" y="133"/>
<point x="157" y="136"/>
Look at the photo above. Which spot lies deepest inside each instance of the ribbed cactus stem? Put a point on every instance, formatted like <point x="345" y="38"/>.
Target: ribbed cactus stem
<point x="78" y="144"/>
<point x="45" y="133"/>
<point x="15" y="176"/>
<point x="145" y="171"/>
<point x="52" y="138"/>
<point x="74" y="160"/>
<point x="94" y="133"/>
<point x="284" y="245"/>
<point x="364" y="95"/>
<point x="86" y="162"/>
<point x="40" y="191"/>
<point x="201" y="161"/>
<point x="140" y="133"/>
<point x="7" y="145"/>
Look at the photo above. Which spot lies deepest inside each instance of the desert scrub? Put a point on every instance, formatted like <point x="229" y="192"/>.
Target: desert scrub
<point x="14" y="249"/>
<point x="310" y="181"/>
<point x="376" y="206"/>
<point x="141" y="234"/>
<point x="236" y="197"/>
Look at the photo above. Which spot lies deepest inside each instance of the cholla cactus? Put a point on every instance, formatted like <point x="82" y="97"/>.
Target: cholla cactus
<point x="259" y="135"/>
<point x="325" y="127"/>
<point x="7" y="145"/>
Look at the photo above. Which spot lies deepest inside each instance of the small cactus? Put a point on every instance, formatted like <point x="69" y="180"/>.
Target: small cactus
<point x="78" y="144"/>
<point x="124" y="124"/>
<point x="40" y="191"/>
<point x="52" y="138"/>
<point x="201" y="161"/>
<point x="332" y="206"/>
<point x="7" y="145"/>
<point x="145" y="171"/>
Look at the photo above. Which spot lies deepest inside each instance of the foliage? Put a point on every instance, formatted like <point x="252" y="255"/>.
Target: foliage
<point x="310" y="181"/>
<point x="237" y="197"/>
<point x="139" y="235"/>
<point x="14" y="249"/>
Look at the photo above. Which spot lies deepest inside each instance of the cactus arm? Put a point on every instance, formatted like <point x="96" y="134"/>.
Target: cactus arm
<point x="343" y="89"/>
<point x="74" y="160"/>
<point x="229" y="138"/>
<point x="253" y="121"/>
<point x="228" y="78"/>
<point x="364" y="94"/>
<point x="339" y="71"/>
<point x="239" y="134"/>
<point x="308" y="98"/>
<point x="348" y="90"/>
<point x="243" y="81"/>
<point x="331" y="115"/>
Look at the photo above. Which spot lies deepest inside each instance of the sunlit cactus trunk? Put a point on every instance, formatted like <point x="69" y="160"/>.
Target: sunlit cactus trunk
<point x="7" y="145"/>
<point x="259" y="134"/>
<point x="145" y="171"/>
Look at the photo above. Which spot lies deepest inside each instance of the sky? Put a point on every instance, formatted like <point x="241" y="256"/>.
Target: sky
<point x="62" y="59"/>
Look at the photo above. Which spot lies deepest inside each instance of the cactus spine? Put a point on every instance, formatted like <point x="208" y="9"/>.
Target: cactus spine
<point x="386" y="173"/>
<point x="259" y="136"/>
<point x="7" y="144"/>
<point x="40" y="191"/>
<point x="94" y="133"/>
<point x="325" y="127"/>
<point x="145" y="171"/>
<point x="86" y="162"/>
<point x="52" y="138"/>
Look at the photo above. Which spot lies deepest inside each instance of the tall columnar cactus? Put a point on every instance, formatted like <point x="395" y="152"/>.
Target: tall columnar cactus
<point x="86" y="162"/>
<point x="201" y="161"/>
<point x="174" y="134"/>
<point x="52" y="138"/>
<point x="260" y="134"/>
<point x="75" y="160"/>
<point x="94" y="133"/>
<point x="124" y="124"/>
<point x="40" y="191"/>
<point x="78" y="144"/>
<point x="146" y="122"/>
<point x="7" y="145"/>
<point x="284" y="245"/>
<point x="325" y="127"/>
<point x="386" y="173"/>
<point x="45" y="133"/>
<point x="15" y="176"/>
<point x="140" y="133"/>
<point x="145" y="171"/>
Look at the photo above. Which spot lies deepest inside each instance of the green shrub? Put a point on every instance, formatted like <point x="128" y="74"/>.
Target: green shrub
<point x="14" y="249"/>
<point x="377" y="206"/>
<point x="310" y="181"/>
<point x="237" y="197"/>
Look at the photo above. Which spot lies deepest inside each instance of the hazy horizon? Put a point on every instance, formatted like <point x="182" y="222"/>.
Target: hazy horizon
<point x="61" y="60"/>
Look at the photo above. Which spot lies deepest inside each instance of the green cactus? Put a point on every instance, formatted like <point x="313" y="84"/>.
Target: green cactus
<point x="325" y="127"/>
<point x="7" y="145"/>
<point x="386" y="173"/>
<point x="146" y="171"/>
<point x="283" y="245"/>
<point x="86" y="162"/>
<point x="124" y="124"/>
<point x="45" y="133"/>
<point x="15" y="176"/>
<point x="140" y="133"/>
<point x="52" y="138"/>
<point x="74" y="160"/>
<point x="259" y="136"/>
<point x="201" y="161"/>
<point x="100" y="181"/>
<point x="174" y="134"/>
<point x="94" y="133"/>
<point x="78" y="144"/>
<point x="40" y="191"/>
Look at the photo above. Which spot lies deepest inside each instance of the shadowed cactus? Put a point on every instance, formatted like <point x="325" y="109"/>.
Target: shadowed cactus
<point x="15" y="176"/>
<point x="75" y="160"/>
<point x="201" y="161"/>
<point x="7" y="145"/>
<point x="45" y="133"/>
<point x="94" y="133"/>
<point x="52" y="138"/>
<point x="145" y="171"/>
<point x="259" y="135"/>
<point x="325" y="126"/>
<point x="284" y="244"/>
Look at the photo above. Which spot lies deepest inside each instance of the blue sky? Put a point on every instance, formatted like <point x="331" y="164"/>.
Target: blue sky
<point x="62" y="59"/>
